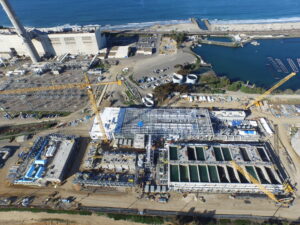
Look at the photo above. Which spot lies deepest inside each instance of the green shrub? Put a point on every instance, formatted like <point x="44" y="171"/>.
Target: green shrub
<point x="137" y="218"/>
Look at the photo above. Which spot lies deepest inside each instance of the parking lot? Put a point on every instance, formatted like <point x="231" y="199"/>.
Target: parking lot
<point x="67" y="100"/>
<point x="157" y="70"/>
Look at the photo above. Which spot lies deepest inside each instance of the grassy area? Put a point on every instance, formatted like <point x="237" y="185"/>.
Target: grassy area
<point x="133" y="80"/>
<point x="131" y="98"/>
<point x="136" y="218"/>
<point x="36" y="210"/>
<point x="42" y="114"/>
<point x="25" y="128"/>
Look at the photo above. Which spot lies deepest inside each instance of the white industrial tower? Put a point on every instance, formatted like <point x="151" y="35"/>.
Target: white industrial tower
<point x="20" y="30"/>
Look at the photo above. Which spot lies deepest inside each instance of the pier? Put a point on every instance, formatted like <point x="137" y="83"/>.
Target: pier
<point x="220" y="43"/>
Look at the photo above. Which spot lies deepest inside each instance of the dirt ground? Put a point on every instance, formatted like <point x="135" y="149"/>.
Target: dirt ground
<point x="16" y="218"/>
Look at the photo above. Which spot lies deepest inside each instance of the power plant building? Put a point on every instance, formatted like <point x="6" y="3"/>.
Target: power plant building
<point x="84" y="41"/>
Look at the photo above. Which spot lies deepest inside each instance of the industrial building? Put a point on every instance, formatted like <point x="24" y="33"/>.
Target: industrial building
<point x="170" y="123"/>
<point x="119" y="162"/>
<point x="111" y="169"/>
<point x="176" y="123"/>
<point x="54" y="42"/>
<point x="207" y="167"/>
<point x="47" y="161"/>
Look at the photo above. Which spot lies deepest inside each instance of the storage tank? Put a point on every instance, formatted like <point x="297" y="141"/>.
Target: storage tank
<point x="191" y="79"/>
<point x="177" y="78"/>
<point x="148" y="100"/>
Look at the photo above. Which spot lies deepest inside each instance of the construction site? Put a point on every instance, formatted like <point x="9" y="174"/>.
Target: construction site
<point x="120" y="147"/>
<point x="47" y="161"/>
<point x="208" y="167"/>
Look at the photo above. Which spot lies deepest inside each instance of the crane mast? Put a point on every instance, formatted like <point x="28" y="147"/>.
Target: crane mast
<point x="261" y="97"/>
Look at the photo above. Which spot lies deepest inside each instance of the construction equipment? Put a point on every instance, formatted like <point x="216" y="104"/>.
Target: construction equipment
<point x="283" y="202"/>
<point x="57" y="87"/>
<point x="97" y="156"/>
<point x="261" y="97"/>
<point x="288" y="188"/>
<point x="87" y="85"/>
<point x="93" y="101"/>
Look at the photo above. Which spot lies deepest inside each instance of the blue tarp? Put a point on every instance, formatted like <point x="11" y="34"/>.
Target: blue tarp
<point x="140" y="124"/>
<point x="236" y="123"/>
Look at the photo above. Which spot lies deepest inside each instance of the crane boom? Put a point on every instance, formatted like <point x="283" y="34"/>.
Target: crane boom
<point x="56" y="87"/>
<point x="254" y="181"/>
<point x="281" y="82"/>
<point x="88" y="85"/>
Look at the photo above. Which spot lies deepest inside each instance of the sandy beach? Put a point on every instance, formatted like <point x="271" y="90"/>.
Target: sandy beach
<point x="181" y="27"/>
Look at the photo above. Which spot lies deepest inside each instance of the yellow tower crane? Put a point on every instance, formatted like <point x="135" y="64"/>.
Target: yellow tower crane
<point x="87" y="85"/>
<point x="283" y="202"/>
<point x="261" y="97"/>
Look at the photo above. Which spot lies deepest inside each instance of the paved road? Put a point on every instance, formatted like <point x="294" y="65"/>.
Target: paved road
<point x="205" y="214"/>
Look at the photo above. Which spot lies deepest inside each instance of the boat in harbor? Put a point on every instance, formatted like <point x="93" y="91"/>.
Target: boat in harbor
<point x="255" y="43"/>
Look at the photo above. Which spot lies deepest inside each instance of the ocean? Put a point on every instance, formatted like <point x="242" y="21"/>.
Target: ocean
<point x="47" y="13"/>
<point x="248" y="63"/>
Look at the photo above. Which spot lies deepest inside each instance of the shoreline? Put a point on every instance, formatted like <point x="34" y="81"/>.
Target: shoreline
<point x="190" y="25"/>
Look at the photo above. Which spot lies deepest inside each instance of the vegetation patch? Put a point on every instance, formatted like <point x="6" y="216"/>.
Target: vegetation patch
<point x="137" y="218"/>
<point x="26" y="128"/>
<point x="37" y="210"/>
<point x="179" y="37"/>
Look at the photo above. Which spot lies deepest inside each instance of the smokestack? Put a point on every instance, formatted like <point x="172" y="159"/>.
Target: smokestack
<point x="20" y="30"/>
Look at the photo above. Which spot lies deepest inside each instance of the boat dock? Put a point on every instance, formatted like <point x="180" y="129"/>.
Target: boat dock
<point x="274" y="64"/>
<point x="293" y="65"/>
<point x="282" y="66"/>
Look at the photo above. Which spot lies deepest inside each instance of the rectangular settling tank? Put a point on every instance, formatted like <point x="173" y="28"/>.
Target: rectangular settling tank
<point x="184" y="177"/>
<point x="194" y="174"/>
<point x="174" y="173"/>
<point x="200" y="154"/>
<point x="203" y="173"/>
<point x="173" y="153"/>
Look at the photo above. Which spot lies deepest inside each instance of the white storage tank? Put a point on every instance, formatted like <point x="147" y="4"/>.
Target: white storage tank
<point x="191" y="79"/>
<point x="177" y="78"/>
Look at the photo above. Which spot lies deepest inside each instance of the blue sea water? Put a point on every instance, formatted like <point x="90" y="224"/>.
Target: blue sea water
<point x="46" y="13"/>
<point x="250" y="63"/>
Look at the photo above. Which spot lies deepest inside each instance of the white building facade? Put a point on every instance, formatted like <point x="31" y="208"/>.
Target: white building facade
<point x="54" y="44"/>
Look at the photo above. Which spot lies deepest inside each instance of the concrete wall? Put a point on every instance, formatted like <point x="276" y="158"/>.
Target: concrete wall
<point x="56" y="44"/>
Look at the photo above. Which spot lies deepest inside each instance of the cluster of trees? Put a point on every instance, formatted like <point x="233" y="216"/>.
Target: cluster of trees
<point x="208" y="83"/>
<point x="179" y="37"/>
<point x="215" y="83"/>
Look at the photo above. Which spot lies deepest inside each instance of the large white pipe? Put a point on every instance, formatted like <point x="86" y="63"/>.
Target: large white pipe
<point x="20" y="30"/>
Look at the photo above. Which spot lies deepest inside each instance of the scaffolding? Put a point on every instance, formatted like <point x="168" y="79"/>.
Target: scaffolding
<point x="185" y="123"/>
